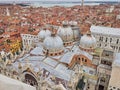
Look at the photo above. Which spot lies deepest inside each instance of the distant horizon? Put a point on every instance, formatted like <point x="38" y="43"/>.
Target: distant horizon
<point x="65" y="3"/>
<point x="59" y="0"/>
<point x="7" y="1"/>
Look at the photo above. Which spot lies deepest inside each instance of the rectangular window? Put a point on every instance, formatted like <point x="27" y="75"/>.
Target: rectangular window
<point x="106" y="54"/>
<point x="91" y="72"/>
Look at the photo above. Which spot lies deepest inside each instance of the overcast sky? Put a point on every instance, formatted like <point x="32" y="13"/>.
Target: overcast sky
<point x="58" y="0"/>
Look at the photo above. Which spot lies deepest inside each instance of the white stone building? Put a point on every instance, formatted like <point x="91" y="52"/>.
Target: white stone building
<point x="28" y="41"/>
<point x="114" y="83"/>
<point x="110" y="9"/>
<point x="107" y="37"/>
<point x="118" y="17"/>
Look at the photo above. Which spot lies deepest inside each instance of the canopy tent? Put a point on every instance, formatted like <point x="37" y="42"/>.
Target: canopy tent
<point x="7" y="83"/>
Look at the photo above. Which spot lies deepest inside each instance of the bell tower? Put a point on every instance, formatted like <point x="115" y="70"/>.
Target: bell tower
<point x="82" y="3"/>
<point x="7" y="12"/>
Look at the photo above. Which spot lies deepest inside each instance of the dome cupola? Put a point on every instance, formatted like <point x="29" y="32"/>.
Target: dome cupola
<point x="65" y="23"/>
<point x="73" y="23"/>
<point x="87" y="42"/>
<point x="75" y="29"/>
<point x="43" y="34"/>
<point x="66" y="33"/>
<point x="53" y="45"/>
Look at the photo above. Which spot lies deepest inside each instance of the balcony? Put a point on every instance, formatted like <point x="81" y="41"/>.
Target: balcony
<point x="104" y="69"/>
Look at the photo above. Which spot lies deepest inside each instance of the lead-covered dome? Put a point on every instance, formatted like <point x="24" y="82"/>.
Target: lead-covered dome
<point x="87" y="42"/>
<point x="43" y="34"/>
<point x="53" y="45"/>
<point x="65" y="23"/>
<point x="73" y="23"/>
<point x="66" y="34"/>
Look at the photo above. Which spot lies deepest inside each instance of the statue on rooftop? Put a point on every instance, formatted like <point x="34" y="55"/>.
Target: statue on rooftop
<point x="80" y="84"/>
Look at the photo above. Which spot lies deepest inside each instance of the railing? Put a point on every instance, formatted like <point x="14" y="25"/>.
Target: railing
<point x="107" y="58"/>
<point x="94" y="77"/>
<point x="9" y="74"/>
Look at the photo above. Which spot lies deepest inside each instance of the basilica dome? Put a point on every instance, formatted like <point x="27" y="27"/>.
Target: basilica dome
<point x="66" y="34"/>
<point x="87" y="42"/>
<point x="43" y="34"/>
<point x="73" y="23"/>
<point x="65" y="23"/>
<point x="53" y="45"/>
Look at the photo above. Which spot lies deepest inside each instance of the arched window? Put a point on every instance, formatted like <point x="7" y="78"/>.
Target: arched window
<point x="106" y="39"/>
<point x="110" y="40"/>
<point x="29" y="79"/>
<point x="55" y="53"/>
<point x="51" y="54"/>
<point x="117" y="41"/>
<point x="59" y="53"/>
<point x="82" y="59"/>
<point x="114" y="87"/>
<point x="118" y="89"/>
<point x="101" y="38"/>
<point x="102" y="79"/>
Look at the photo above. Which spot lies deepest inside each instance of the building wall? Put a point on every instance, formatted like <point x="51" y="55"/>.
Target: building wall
<point x="76" y="33"/>
<point x="14" y="47"/>
<point x="114" y="83"/>
<point x="87" y="64"/>
<point x="28" y="40"/>
<point x="104" y="40"/>
<point x="86" y="61"/>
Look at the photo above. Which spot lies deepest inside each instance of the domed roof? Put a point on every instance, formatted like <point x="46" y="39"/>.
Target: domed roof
<point x="65" y="33"/>
<point x="53" y="43"/>
<point x="88" y="41"/>
<point x="65" y="22"/>
<point x="43" y="34"/>
<point x="73" y="23"/>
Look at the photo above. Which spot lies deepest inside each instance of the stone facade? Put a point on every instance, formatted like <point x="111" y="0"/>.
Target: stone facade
<point x="114" y="83"/>
<point x="28" y="40"/>
<point x="107" y="38"/>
